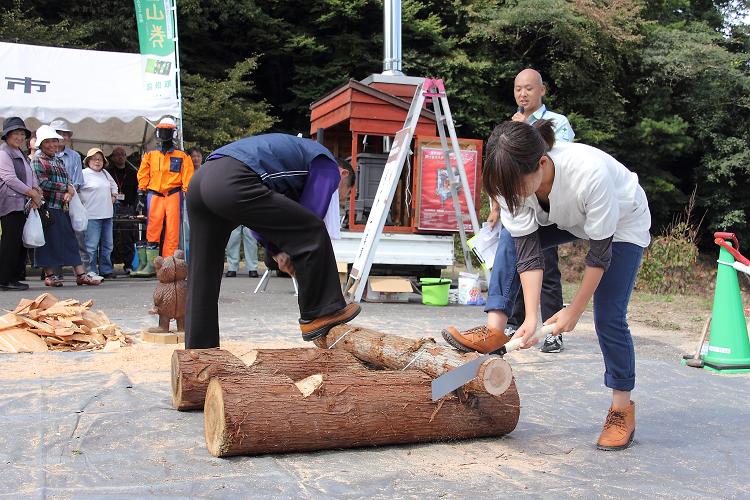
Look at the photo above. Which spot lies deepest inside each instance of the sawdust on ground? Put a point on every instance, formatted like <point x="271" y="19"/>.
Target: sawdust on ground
<point x="141" y="362"/>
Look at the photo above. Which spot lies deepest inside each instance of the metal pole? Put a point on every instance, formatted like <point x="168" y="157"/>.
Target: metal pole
<point x="392" y="37"/>
<point x="176" y="38"/>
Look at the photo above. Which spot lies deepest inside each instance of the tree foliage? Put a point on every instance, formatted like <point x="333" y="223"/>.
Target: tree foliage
<point x="663" y="85"/>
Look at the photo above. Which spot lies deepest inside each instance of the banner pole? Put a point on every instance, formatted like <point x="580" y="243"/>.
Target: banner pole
<point x="173" y="9"/>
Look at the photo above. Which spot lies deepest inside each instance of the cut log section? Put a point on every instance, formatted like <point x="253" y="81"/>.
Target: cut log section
<point x="192" y="369"/>
<point x="258" y="413"/>
<point x="395" y="353"/>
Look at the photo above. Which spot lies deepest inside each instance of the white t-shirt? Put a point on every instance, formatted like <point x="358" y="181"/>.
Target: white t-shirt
<point x="96" y="193"/>
<point x="593" y="197"/>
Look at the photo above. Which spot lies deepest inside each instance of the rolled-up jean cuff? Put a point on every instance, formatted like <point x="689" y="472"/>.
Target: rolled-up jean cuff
<point x="622" y="384"/>
<point x="499" y="304"/>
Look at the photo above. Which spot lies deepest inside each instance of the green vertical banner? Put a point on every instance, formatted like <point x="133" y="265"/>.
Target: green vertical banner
<point x="156" y="35"/>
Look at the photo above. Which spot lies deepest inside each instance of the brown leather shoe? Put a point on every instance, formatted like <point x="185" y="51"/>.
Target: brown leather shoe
<point x="316" y="328"/>
<point x="619" y="429"/>
<point x="481" y="339"/>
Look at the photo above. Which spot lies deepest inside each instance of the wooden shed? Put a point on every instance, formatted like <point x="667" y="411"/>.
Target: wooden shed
<point x="355" y="121"/>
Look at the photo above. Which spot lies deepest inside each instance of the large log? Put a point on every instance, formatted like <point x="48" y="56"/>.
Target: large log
<point x="192" y="369"/>
<point x="395" y="353"/>
<point x="255" y="413"/>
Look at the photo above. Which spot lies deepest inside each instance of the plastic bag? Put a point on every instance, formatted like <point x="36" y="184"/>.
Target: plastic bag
<point x="78" y="217"/>
<point x="33" y="233"/>
<point x="469" y="290"/>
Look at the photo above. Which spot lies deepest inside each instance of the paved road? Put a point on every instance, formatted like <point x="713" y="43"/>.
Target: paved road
<point x="88" y="425"/>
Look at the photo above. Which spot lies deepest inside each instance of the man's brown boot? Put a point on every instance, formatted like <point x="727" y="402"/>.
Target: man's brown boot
<point x="481" y="339"/>
<point x="619" y="429"/>
<point x="316" y="328"/>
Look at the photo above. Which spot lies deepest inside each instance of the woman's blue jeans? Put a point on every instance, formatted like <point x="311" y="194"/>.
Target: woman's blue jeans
<point x="610" y="299"/>
<point x="98" y="239"/>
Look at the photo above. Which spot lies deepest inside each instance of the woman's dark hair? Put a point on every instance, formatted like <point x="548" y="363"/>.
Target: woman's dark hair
<point x="194" y="148"/>
<point x="513" y="151"/>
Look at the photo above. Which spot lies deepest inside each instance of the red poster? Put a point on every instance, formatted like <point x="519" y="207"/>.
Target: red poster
<point x="435" y="203"/>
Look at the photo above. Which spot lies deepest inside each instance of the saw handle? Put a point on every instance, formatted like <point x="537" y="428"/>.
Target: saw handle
<point x="515" y="343"/>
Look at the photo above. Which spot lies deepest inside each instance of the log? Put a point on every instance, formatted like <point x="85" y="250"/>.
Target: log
<point x="394" y="353"/>
<point x="255" y="413"/>
<point x="192" y="369"/>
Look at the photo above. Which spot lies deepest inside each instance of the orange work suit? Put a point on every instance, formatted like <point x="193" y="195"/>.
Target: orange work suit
<point x="166" y="177"/>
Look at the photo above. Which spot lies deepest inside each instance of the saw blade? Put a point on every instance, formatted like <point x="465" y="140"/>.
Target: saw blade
<point x="456" y="378"/>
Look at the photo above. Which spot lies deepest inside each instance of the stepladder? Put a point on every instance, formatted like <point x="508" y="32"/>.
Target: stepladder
<point x="430" y="91"/>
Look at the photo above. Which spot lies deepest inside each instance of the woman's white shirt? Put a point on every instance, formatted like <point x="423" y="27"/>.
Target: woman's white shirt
<point x="593" y="197"/>
<point x="96" y="193"/>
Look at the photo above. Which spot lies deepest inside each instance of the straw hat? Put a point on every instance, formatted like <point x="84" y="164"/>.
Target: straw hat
<point x="91" y="152"/>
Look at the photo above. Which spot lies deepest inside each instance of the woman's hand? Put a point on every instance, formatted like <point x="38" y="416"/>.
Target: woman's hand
<point x="526" y="332"/>
<point x="69" y="193"/>
<point x="565" y="320"/>
<point x="285" y="263"/>
<point x="36" y="197"/>
<point x="493" y="217"/>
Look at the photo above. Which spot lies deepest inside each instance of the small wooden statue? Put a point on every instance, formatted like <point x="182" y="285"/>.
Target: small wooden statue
<point x="171" y="292"/>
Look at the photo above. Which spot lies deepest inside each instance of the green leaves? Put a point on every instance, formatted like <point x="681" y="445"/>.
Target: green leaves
<point x="663" y="85"/>
<point x="217" y="112"/>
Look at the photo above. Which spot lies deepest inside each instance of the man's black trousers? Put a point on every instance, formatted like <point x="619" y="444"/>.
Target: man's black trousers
<point x="223" y="194"/>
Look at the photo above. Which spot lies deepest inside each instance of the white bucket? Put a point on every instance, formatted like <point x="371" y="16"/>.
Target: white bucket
<point x="469" y="290"/>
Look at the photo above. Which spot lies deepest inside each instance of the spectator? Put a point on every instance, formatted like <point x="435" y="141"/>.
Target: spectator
<point x="70" y="158"/>
<point x="242" y="234"/>
<point x="98" y="194"/>
<point x="60" y="241"/>
<point x="17" y="184"/>
<point x="72" y="163"/>
<point x="196" y="154"/>
<point x="32" y="147"/>
<point x="124" y="234"/>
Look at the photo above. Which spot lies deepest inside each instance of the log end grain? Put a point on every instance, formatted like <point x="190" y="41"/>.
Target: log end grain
<point x="191" y="371"/>
<point x="495" y="375"/>
<point x="214" y="420"/>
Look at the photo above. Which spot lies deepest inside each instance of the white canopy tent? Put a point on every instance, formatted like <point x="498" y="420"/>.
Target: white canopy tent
<point x="101" y="94"/>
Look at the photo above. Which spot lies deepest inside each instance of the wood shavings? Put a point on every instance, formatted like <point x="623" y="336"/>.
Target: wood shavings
<point x="59" y="325"/>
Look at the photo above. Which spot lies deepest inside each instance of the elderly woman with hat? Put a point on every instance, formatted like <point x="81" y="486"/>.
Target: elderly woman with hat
<point x="17" y="185"/>
<point x="98" y="194"/>
<point x="61" y="246"/>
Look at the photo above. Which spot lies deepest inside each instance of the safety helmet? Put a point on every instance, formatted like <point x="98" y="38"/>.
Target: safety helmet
<point x="166" y="129"/>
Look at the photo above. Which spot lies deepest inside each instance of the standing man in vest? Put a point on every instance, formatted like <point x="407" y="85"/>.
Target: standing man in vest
<point x="529" y="89"/>
<point x="282" y="187"/>
<point x="70" y="157"/>
<point x="163" y="179"/>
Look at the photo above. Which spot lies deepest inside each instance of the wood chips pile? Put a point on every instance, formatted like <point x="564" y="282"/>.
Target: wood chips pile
<point x="47" y="323"/>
